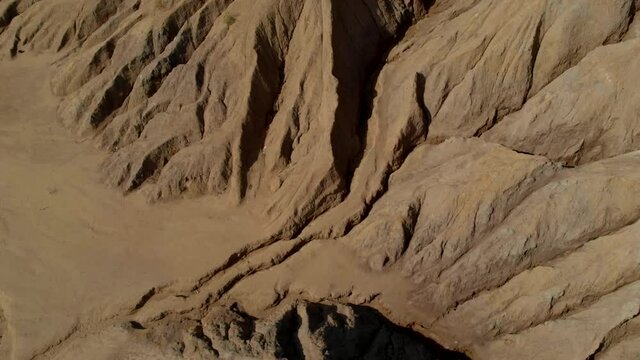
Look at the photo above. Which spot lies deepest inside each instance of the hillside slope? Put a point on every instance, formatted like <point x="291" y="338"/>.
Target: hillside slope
<point x="483" y="154"/>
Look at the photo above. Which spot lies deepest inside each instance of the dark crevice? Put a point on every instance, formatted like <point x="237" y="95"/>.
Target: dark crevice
<point x="266" y="87"/>
<point x="400" y="157"/>
<point x="618" y="37"/>
<point x="486" y="127"/>
<point x="136" y="325"/>
<point x="367" y="100"/>
<point x="13" y="51"/>
<point x="537" y="42"/>
<point x="155" y="160"/>
<point x="254" y="135"/>
<point x="144" y="299"/>
<point x="289" y="345"/>
<point x="615" y="335"/>
<point x="369" y="94"/>
<point x="112" y="99"/>
<point x="9" y="14"/>
<point x="633" y="12"/>
<point x="409" y="225"/>
<point x="198" y="333"/>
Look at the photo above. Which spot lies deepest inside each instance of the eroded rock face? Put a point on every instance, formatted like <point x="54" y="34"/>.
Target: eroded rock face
<point x="299" y="330"/>
<point x="485" y="150"/>
<point x="589" y="113"/>
<point x="309" y="331"/>
<point x="229" y="97"/>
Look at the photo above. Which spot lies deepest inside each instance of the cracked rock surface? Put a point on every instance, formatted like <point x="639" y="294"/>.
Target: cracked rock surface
<point x="337" y="179"/>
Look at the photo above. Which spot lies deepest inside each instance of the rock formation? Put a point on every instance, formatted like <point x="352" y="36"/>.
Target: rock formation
<point x="297" y="331"/>
<point x="485" y="151"/>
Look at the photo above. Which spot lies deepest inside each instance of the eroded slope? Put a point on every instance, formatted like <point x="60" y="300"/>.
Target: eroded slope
<point x="358" y="121"/>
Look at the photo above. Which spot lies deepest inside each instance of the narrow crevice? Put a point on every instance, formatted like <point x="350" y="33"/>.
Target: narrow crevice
<point x="537" y="42"/>
<point x="144" y="299"/>
<point x="616" y="38"/>
<point x="486" y="127"/>
<point x="615" y="336"/>
<point x="9" y="14"/>
<point x="112" y="99"/>
<point x="369" y="94"/>
<point x="611" y="336"/>
<point x="500" y="114"/>
<point x="409" y="225"/>
<point x="289" y="345"/>
<point x="633" y="17"/>
<point x="254" y="135"/>
<point x="198" y="333"/>
<point x="51" y="349"/>
<point x="153" y="162"/>
<point x="399" y="158"/>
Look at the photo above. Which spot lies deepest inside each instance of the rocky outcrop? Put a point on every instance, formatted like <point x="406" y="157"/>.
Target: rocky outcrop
<point x="300" y="331"/>
<point x="487" y="151"/>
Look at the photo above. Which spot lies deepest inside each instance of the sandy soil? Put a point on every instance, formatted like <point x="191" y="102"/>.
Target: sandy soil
<point x="72" y="250"/>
